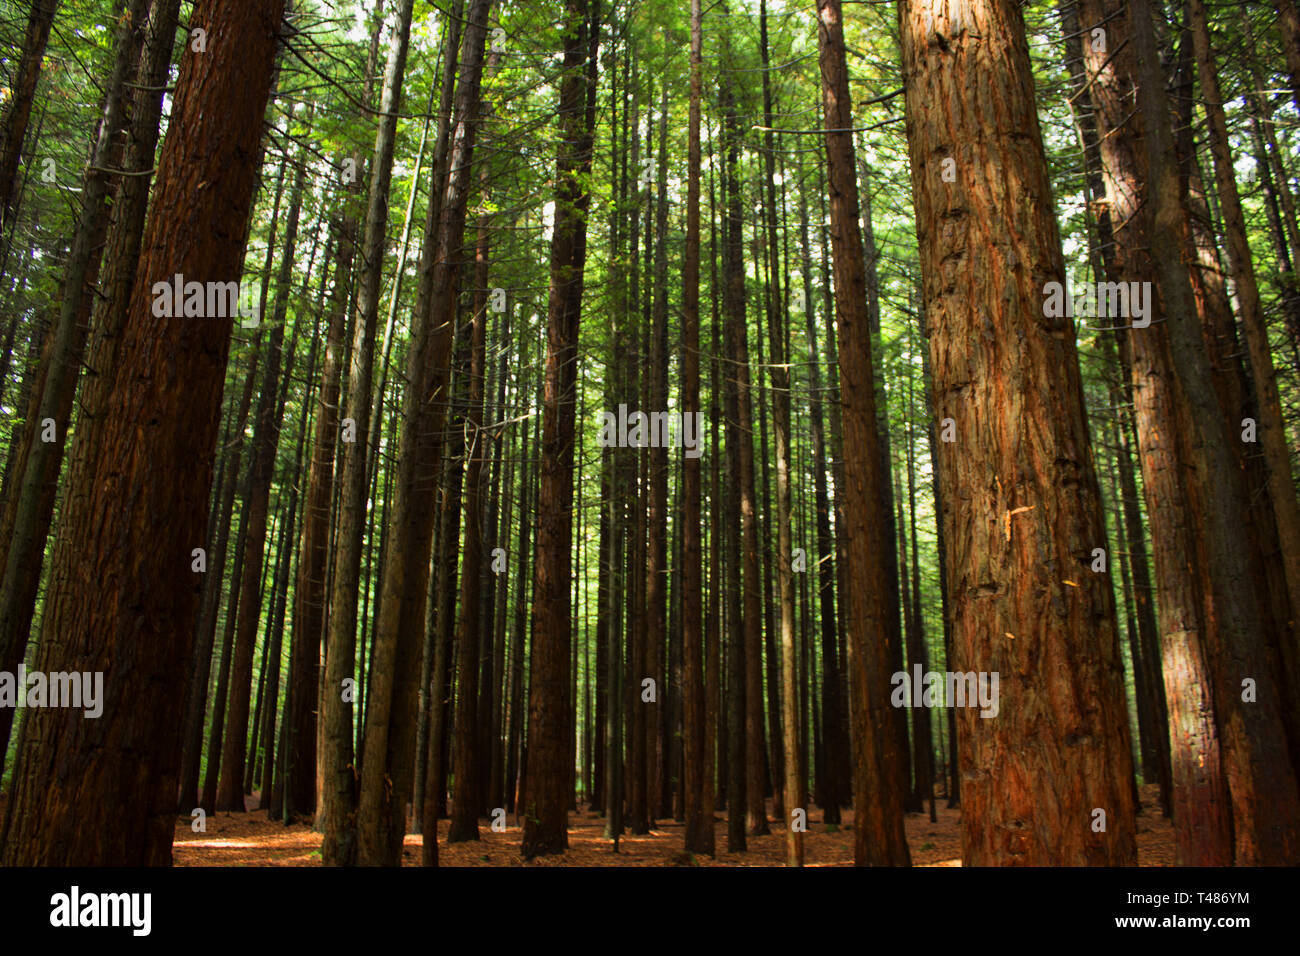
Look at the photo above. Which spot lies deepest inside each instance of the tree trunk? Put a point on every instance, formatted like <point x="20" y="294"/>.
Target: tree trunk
<point x="465" y="807"/>
<point x="337" y="772"/>
<point x="1265" y="828"/>
<point x="104" y="792"/>
<point x="1009" y="379"/>
<point x="266" y="441"/>
<point x="13" y="129"/>
<point x="28" y="509"/>
<point x="550" y="706"/>
<point x="878" y="797"/>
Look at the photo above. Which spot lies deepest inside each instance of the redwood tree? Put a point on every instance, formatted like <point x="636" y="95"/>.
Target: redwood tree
<point x="878" y="782"/>
<point x="1048" y="780"/>
<point x="549" y="754"/>
<point x="103" y="791"/>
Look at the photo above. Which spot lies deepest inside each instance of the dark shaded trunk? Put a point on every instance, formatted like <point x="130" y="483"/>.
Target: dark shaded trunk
<point x="103" y="792"/>
<point x="878" y="791"/>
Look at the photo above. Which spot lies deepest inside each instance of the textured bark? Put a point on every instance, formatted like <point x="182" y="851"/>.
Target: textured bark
<point x="1265" y="827"/>
<point x="122" y="246"/>
<point x="1284" y="227"/>
<point x="103" y="792"/>
<point x="1201" y="812"/>
<point x="1022" y="506"/>
<point x="1272" y="433"/>
<point x="28" y="509"/>
<point x="122" y="255"/>
<point x="878" y="797"/>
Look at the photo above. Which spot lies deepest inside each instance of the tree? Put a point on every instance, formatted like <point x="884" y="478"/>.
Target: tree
<point x="1253" y="732"/>
<point x="338" y="775"/>
<point x="13" y="128"/>
<point x="877" y="794"/>
<point x="1201" y="817"/>
<point x="549" y="759"/>
<point x="1007" y="375"/>
<point x="398" y="642"/>
<point x="150" y="483"/>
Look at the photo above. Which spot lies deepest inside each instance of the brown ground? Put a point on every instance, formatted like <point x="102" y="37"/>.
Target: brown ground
<point x="249" y="839"/>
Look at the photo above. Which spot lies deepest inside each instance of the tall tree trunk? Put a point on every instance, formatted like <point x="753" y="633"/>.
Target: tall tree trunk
<point x="1202" y="823"/>
<point x="834" y="747"/>
<point x="28" y="509"/>
<point x="893" y="635"/>
<point x="390" y="726"/>
<point x="1009" y="379"/>
<point x="917" y="650"/>
<point x="751" y="623"/>
<point x="338" y="774"/>
<point x="549" y="718"/>
<point x="104" y="792"/>
<point x="878" y="796"/>
<point x="1271" y="430"/>
<point x="313" y="547"/>
<point x="1265" y="828"/>
<point x="465" y="807"/>
<point x="657" y="517"/>
<point x="266" y="441"/>
<point x="777" y="334"/>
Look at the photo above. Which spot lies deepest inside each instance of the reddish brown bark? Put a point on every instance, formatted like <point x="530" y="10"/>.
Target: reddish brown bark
<point x="97" y="792"/>
<point x="1022" y="508"/>
<point x="1200" y="800"/>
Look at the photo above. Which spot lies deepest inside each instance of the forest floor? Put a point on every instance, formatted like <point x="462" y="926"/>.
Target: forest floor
<point x="250" y="839"/>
